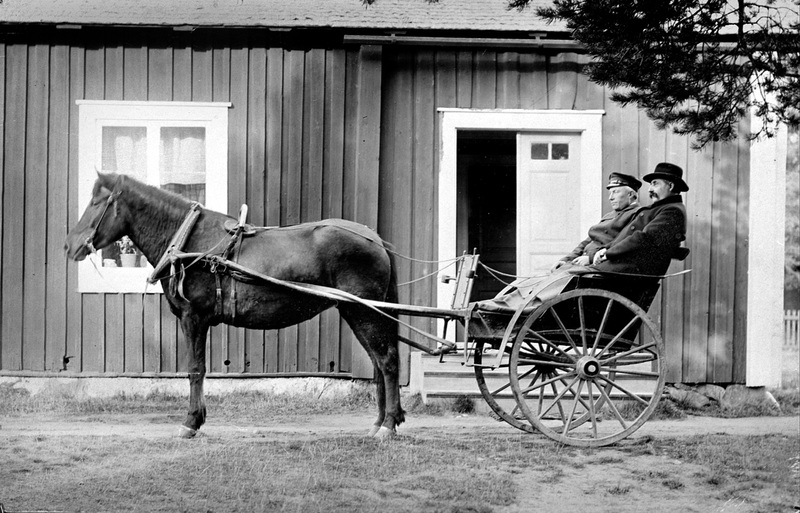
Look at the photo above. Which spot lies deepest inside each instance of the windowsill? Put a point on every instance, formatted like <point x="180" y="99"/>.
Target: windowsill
<point x="94" y="278"/>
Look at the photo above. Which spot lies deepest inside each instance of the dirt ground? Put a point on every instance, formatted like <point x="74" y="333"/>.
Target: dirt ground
<point x="583" y="484"/>
<point x="154" y="426"/>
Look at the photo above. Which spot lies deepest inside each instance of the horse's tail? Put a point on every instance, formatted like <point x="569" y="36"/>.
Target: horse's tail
<point x="391" y="292"/>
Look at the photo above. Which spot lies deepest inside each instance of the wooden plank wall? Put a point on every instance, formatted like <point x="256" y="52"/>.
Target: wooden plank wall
<point x="289" y="147"/>
<point x="702" y="314"/>
<point x="315" y="133"/>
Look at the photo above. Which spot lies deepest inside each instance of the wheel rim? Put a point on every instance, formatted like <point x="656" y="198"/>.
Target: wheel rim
<point x="600" y="356"/>
<point x="496" y="390"/>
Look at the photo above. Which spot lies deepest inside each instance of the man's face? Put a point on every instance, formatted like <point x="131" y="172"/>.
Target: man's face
<point x="660" y="189"/>
<point x="620" y="198"/>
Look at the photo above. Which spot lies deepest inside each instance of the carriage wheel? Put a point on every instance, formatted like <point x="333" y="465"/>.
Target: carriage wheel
<point x="598" y="366"/>
<point x="495" y="387"/>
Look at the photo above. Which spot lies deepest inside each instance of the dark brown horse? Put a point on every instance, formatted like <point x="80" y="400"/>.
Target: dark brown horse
<point x="336" y="253"/>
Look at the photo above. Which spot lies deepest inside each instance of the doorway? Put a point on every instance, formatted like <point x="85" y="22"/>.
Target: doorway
<point x="487" y="142"/>
<point x="487" y="183"/>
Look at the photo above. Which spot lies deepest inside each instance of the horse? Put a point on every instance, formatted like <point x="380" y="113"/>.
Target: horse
<point x="332" y="253"/>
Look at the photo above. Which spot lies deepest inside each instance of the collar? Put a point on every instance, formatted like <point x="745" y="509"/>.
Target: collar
<point x="177" y="242"/>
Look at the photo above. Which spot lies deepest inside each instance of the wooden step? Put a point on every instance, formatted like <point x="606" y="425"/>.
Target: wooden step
<point x="432" y="378"/>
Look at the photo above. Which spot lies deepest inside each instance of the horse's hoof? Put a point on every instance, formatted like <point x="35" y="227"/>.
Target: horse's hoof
<point x="385" y="434"/>
<point x="373" y="431"/>
<point x="186" y="432"/>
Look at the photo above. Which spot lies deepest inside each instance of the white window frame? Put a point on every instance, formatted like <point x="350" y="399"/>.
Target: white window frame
<point x="586" y="122"/>
<point x="93" y="115"/>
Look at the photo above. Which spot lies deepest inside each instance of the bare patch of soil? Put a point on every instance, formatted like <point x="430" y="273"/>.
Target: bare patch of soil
<point x="645" y="472"/>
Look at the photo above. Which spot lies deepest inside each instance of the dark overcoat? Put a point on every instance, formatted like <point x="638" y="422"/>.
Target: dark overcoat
<point x="650" y="240"/>
<point x="603" y="233"/>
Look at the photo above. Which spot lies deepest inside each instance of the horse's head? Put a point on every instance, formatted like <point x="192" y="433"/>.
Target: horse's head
<point x="101" y="222"/>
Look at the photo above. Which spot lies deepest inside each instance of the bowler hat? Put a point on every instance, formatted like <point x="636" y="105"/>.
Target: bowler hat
<point x="669" y="172"/>
<point x="619" y="179"/>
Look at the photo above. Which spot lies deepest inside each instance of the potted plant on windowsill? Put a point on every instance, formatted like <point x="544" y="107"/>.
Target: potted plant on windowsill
<point x="127" y="252"/>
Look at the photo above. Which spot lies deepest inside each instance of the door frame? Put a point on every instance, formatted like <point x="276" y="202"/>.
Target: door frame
<point x="587" y="122"/>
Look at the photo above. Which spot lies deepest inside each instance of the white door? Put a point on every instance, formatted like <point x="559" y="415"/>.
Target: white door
<point x="548" y="199"/>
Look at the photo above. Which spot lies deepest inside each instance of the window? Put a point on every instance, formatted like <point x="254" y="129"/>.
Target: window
<point x="549" y="151"/>
<point x="178" y="146"/>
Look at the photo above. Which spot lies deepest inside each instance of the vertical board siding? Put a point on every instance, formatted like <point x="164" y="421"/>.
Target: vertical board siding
<point x="13" y="204"/>
<point x="701" y="314"/>
<point x="316" y="133"/>
<point x="35" y="211"/>
<point x="2" y="183"/>
<point x="57" y="180"/>
<point x="72" y="357"/>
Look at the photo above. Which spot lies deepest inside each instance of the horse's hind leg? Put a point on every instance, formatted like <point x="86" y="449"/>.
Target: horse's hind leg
<point x="378" y="335"/>
<point x="195" y="330"/>
<point x="380" y="393"/>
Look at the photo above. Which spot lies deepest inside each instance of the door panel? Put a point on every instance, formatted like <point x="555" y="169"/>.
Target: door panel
<point x="548" y="202"/>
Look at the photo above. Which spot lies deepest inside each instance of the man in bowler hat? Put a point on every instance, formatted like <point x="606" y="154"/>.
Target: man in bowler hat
<point x="654" y="234"/>
<point x="645" y="245"/>
<point x="624" y="196"/>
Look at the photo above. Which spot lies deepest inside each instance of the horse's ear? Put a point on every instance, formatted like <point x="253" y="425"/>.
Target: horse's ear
<point x="107" y="180"/>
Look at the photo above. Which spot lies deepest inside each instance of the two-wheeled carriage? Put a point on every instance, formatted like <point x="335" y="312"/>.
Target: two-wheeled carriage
<point x="572" y="354"/>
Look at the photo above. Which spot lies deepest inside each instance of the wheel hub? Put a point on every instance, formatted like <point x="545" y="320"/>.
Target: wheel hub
<point x="588" y="367"/>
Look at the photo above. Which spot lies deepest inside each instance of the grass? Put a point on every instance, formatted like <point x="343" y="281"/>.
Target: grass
<point x="743" y="468"/>
<point x="246" y="405"/>
<point x="440" y="471"/>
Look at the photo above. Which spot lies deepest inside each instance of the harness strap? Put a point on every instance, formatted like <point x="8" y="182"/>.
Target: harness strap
<point x="177" y="242"/>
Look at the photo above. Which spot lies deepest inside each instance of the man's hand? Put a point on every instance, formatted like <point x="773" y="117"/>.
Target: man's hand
<point x="557" y="265"/>
<point x="600" y="257"/>
<point x="581" y="260"/>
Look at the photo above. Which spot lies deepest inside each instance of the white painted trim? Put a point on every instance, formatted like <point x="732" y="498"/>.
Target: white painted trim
<point x="587" y="122"/>
<point x="92" y="116"/>
<point x="765" y="258"/>
<point x="147" y="104"/>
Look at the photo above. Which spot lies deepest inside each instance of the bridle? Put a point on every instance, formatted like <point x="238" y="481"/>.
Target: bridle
<point x="89" y="241"/>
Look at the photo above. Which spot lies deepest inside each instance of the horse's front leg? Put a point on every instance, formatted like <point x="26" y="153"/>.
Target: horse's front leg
<point x="195" y="330"/>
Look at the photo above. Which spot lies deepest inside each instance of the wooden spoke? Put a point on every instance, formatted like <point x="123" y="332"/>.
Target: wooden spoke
<point x="564" y="330"/>
<point x="644" y="374"/>
<point x="497" y="391"/>
<point x="592" y="413"/>
<point x="552" y="345"/>
<point x="548" y="382"/>
<point x="623" y="354"/>
<point x="583" y="324"/>
<point x="557" y="399"/>
<point x="618" y="336"/>
<point x="551" y="363"/>
<point x="571" y="416"/>
<point x="556" y="402"/>
<point x="602" y="327"/>
<point x="613" y="407"/>
<point x="624" y="390"/>
<point x="585" y="405"/>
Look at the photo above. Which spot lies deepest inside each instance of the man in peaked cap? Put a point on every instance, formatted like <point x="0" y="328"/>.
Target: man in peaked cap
<point x="623" y="195"/>
<point x="647" y="239"/>
<point x="648" y="243"/>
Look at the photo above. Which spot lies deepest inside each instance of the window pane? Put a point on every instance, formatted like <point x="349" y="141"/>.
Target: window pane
<point x="125" y="150"/>
<point x="560" y="151"/>
<point x="182" y="159"/>
<point x="539" y="151"/>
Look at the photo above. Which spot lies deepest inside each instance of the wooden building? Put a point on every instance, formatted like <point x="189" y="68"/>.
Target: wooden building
<point x="406" y="116"/>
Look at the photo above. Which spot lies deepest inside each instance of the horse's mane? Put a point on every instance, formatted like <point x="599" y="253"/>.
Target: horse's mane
<point x="148" y="198"/>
